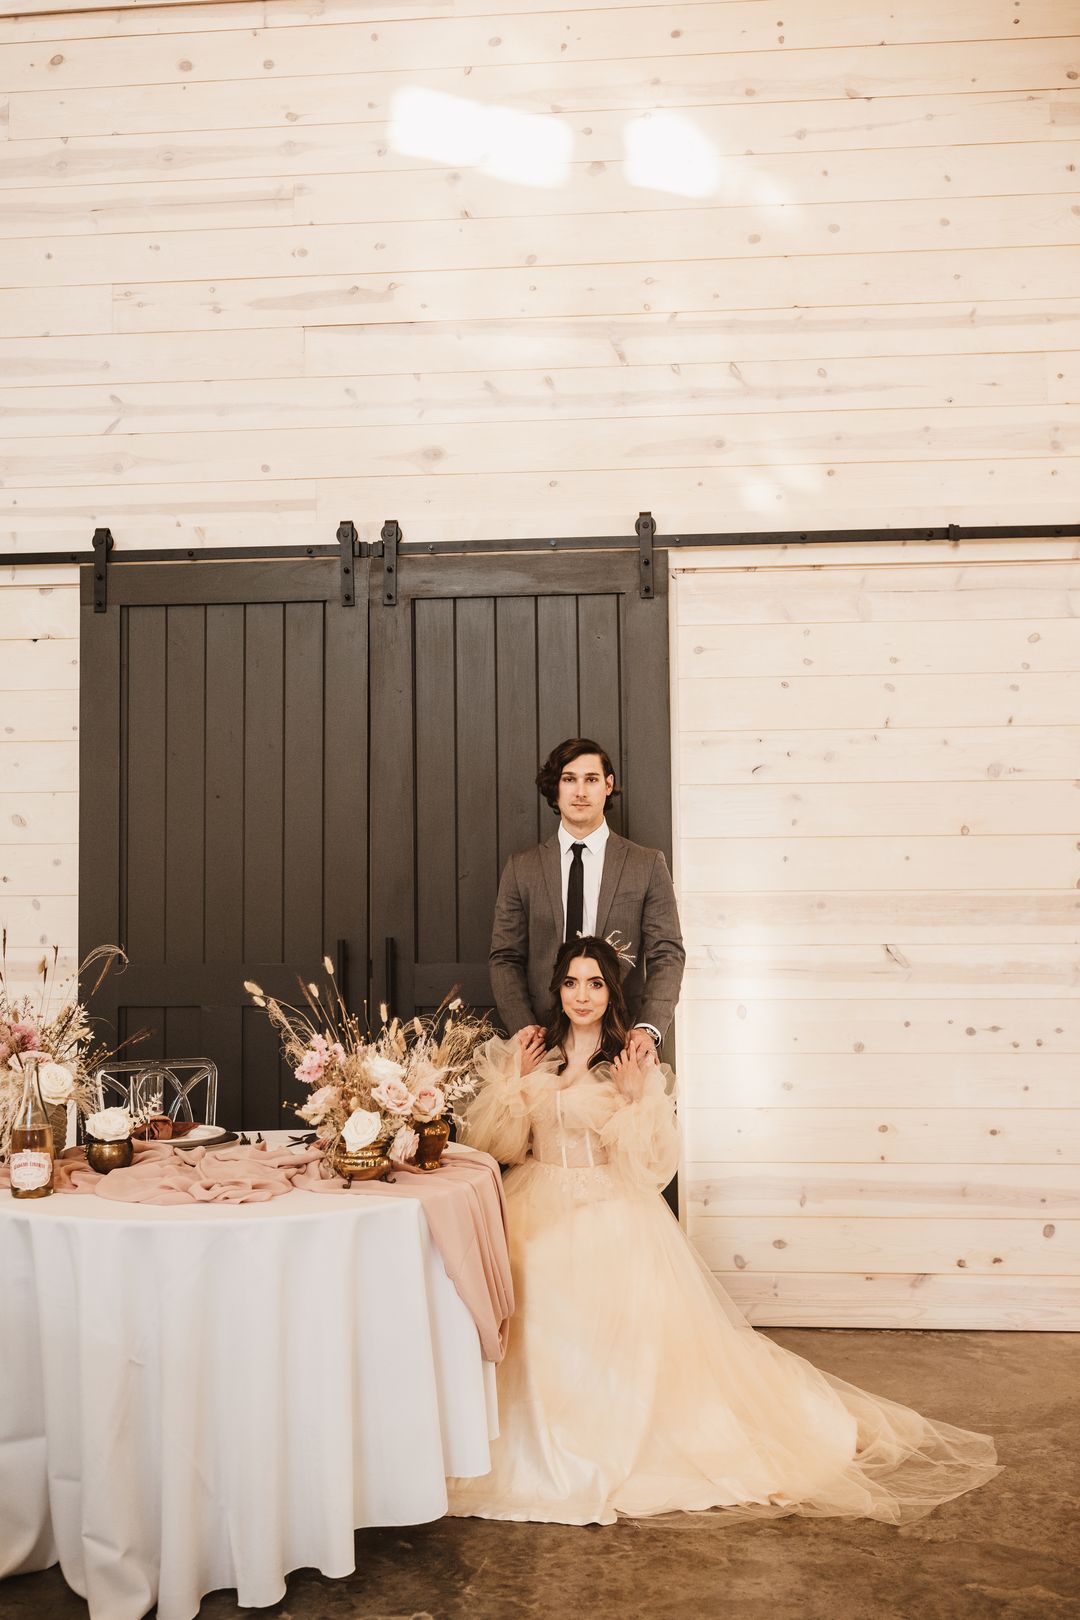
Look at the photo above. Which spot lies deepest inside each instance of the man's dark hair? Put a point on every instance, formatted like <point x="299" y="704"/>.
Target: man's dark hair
<point x="564" y="754"/>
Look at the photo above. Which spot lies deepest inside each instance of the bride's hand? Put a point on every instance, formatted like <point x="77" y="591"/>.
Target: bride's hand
<point x="629" y="1073"/>
<point x="531" y="1041"/>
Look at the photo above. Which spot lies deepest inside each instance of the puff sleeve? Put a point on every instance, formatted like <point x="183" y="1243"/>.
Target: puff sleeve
<point x="642" y="1137"/>
<point x="497" y="1119"/>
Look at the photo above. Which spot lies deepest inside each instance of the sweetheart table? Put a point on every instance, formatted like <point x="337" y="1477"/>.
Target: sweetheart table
<point x="213" y="1395"/>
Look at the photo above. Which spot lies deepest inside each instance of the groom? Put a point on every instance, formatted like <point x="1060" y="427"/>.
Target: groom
<point x="585" y="880"/>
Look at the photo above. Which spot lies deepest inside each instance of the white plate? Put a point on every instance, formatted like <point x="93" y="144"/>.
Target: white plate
<point x="203" y="1133"/>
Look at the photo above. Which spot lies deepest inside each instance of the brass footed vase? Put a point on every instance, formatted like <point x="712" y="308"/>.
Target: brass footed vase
<point x="106" y="1156"/>
<point x="434" y="1135"/>
<point x="365" y="1164"/>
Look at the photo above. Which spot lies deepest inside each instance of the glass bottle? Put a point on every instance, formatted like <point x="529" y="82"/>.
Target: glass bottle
<point x="31" y="1163"/>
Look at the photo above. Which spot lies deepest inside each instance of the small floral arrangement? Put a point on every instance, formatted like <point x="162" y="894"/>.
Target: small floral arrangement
<point x="364" y="1087"/>
<point x="62" y="1042"/>
<point x="109" y="1125"/>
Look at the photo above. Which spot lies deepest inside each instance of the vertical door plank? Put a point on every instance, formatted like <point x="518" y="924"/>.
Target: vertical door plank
<point x="345" y="768"/>
<point x="647" y="719"/>
<point x="222" y="1040"/>
<point x="183" y="1033"/>
<point x="516" y="755"/>
<point x="436" y="770"/>
<point x="224" y="887"/>
<point x="478" y="837"/>
<point x="392" y="810"/>
<point x="302" y="848"/>
<point x="263" y="781"/>
<point x="99" y="779"/>
<point x="147" y="1021"/>
<point x="263" y="1091"/>
<point x="145" y="783"/>
<point x="185" y="729"/>
<point x="556" y="664"/>
<point x="600" y="678"/>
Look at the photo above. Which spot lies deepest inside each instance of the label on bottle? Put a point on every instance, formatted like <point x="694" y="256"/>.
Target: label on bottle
<point x="30" y="1170"/>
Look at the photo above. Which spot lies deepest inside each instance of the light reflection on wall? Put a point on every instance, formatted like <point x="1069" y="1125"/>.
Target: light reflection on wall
<point x="522" y="147"/>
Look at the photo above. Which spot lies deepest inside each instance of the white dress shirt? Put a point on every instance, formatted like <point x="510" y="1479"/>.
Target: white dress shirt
<point x="592" y="863"/>
<point x="592" y="868"/>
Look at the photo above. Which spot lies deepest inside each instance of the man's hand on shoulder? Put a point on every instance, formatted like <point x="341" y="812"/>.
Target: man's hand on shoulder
<point x="531" y="1041"/>
<point x="642" y="1045"/>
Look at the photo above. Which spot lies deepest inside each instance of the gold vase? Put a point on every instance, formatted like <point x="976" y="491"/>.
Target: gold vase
<point x="434" y="1135"/>
<point x="106" y="1156"/>
<point x="365" y="1164"/>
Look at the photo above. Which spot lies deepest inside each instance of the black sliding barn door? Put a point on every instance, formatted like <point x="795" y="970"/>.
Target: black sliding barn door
<point x="224" y="801"/>
<point x="238" y="821"/>
<point x="481" y="666"/>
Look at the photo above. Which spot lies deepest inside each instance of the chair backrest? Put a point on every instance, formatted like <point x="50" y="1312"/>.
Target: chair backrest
<point x="178" y="1082"/>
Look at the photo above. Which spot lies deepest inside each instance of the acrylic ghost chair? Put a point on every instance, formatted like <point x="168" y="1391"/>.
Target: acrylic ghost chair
<point x="183" y="1088"/>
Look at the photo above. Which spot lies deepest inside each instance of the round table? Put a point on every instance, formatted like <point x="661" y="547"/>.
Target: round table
<point x="211" y="1396"/>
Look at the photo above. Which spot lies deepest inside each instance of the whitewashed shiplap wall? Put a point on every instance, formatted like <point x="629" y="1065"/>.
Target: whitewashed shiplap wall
<point x="269" y="263"/>
<point x="39" y="768"/>
<point x="877" y="761"/>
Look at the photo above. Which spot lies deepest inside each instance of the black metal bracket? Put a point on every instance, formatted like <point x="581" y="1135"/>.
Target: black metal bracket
<point x="391" y="539"/>
<point x="646" y="533"/>
<point x="346" y="538"/>
<point x="103" y="543"/>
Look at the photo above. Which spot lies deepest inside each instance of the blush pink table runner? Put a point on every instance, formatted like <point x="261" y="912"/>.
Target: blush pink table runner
<point x="462" y="1200"/>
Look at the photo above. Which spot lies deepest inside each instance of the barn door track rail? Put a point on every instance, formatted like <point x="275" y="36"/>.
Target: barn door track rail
<point x="392" y="546"/>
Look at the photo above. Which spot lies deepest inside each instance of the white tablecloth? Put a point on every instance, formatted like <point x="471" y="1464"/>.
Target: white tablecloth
<point x="205" y="1397"/>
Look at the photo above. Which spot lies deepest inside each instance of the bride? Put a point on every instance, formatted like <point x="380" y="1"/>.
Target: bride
<point x="632" y="1384"/>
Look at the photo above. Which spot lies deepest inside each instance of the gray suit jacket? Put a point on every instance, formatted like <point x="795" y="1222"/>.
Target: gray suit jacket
<point x="636" y="898"/>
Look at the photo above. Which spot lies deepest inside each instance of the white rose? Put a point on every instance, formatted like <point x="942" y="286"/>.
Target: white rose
<point x="57" y="1082"/>
<point x="382" y="1069"/>
<point x="109" y="1125"/>
<point x="361" y="1129"/>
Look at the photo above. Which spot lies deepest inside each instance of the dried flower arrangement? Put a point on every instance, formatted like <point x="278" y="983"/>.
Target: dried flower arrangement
<point x="367" y="1087"/>
<point x="63" y="1042"/>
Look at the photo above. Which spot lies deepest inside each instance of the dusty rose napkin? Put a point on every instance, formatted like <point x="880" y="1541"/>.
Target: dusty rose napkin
<point x="463" y="1202"/>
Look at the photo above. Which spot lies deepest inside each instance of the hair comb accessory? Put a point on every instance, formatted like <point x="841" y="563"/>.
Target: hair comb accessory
<point x="621" y="948"/>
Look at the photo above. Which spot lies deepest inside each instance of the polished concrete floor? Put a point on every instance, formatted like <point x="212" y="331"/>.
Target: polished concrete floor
<point x="1008" y="1552"/>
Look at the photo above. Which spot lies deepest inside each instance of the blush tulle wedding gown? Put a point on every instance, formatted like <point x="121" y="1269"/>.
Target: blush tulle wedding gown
<point x="632" y="1384"/>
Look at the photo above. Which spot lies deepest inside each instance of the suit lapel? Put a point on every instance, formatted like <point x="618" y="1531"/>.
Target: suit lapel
<point x="551" y="863"/>
<point x="614" y="861"/>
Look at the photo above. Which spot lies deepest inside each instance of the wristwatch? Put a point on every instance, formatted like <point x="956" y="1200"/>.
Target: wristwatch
<point x="653" y="1031"/>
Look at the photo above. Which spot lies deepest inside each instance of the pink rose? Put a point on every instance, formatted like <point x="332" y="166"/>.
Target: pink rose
<point x="428" y="1103"/>
<point x="404" y="1146"/>
<point x="318" y="1105"/>
<point x="25" y="1037"/>
<point x="394" y="1096"/>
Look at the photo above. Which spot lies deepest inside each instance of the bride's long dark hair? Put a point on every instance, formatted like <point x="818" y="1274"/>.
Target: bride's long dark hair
<point x="614" y="1025"/>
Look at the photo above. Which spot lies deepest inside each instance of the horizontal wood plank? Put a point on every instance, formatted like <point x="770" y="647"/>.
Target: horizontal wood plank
<point x="39" y="767"/>
<point x="666" y="286"/>
<point x="930" y="754"/>
<point x="871" y="1025"/>
<point x="873" y="917"/>
<point x="922" y="1300"/>
<point x="810" y="439"/>
<point x="919" y="971"/>
<point x="945" y="1193"/>
<point x="38" y="716"/>
<point x="852" y="864"/>
<point x="39" y="612"/>
<point x="952" y="648"/>
<point x="38" y="869"/>
<point x="38" y="818"/>
<point x="37" y="665"/>
<point x="827" y="809"/>
<point x="867" y="1136"/>
<point x="988" y="1080"/>
<point x="899" y="701"/>
<point x="580" y="393"/>
<point x="879" y="1244"/>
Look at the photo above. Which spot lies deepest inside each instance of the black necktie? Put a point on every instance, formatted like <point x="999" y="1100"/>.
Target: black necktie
<point x="575" y="894"/>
